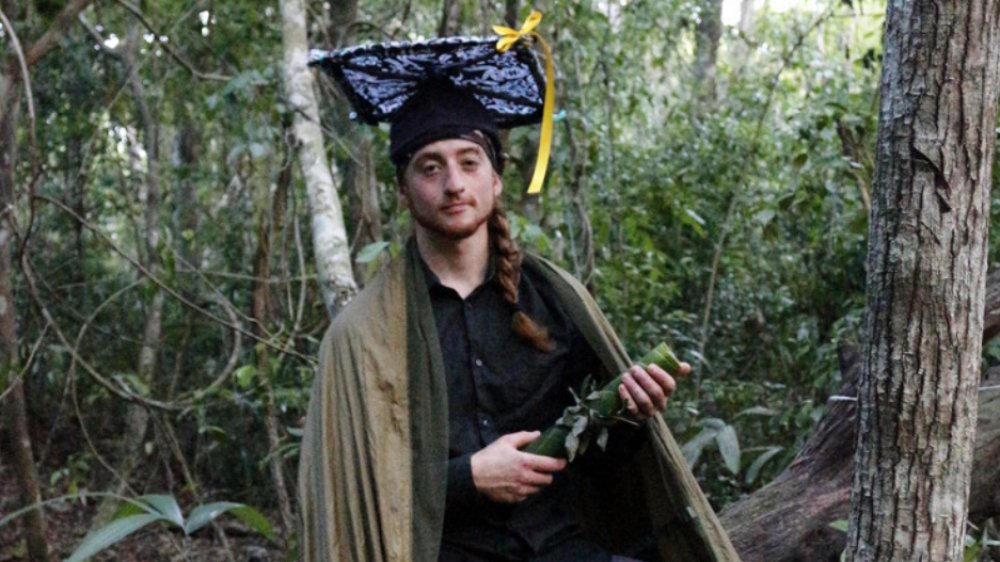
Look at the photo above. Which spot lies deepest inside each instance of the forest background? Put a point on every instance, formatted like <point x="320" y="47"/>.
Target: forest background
<point x="710" y="182"/>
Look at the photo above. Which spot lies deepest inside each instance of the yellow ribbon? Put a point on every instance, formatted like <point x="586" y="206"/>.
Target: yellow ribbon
<point x="508" y="38"/>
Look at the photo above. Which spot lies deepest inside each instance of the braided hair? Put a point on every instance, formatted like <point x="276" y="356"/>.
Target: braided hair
<point x="508" y="264"/>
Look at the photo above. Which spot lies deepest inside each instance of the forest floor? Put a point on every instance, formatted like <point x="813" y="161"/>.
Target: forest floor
<point x="68" y="522"/>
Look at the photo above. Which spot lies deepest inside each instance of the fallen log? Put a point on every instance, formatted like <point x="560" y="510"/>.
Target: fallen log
<point x="788" y="520"/>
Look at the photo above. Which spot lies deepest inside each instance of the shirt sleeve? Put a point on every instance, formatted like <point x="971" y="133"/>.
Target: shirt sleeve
<point x="461" y="491"/>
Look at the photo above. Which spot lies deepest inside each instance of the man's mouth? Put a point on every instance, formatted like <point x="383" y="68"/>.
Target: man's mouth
<point x="456" y="207"/>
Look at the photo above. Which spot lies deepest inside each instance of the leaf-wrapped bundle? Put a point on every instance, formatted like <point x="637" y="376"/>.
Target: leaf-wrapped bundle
<point x="590" y="418"/>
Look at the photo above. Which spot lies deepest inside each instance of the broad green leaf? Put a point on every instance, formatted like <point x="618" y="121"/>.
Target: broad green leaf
<point x="693" y="448"/>
<point x="371" y="251"/>
<point x="166" y="506"/>
<point x="759" y="463"/>
<point x="712" y="423"/>
<point x="110" y="534"/>
<point x="255" y="520"/>
<point x="205" y="514"/>
<point x="130" y="508"/>
<point x="729" y="448"/>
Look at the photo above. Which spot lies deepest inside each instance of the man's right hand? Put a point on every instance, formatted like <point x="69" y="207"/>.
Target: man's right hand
<point x="505" y="474"/>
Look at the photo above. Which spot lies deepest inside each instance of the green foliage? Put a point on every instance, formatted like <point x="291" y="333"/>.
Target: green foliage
<point x="657" y="196"/>
<point x="151" y="508"/>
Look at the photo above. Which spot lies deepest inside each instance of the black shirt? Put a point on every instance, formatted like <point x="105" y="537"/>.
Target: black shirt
<point x="499" y="383"/>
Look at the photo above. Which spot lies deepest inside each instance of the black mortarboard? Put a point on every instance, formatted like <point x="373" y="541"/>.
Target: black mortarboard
<point x="431" y="90"/>
<point x="437" y="89"/>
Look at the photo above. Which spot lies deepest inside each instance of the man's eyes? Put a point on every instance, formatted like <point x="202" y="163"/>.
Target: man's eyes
<point x="430" y="168"/>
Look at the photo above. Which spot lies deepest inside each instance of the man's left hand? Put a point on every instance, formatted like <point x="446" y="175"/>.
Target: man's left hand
<point x="645" y="391"/>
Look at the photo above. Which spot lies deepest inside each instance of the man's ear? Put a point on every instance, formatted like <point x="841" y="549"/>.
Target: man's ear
<point x="401" y="194"/>
<point x="497" y="184"/>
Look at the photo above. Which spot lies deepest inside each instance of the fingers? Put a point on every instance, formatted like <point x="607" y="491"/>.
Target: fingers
<point x="541" y="463"/>
<point x="503" y="473"/>
<point x="521" y="438"/>
<point x="645" y="391"/>
<point x="533" y="478"/>
<point x="683" y="369"/>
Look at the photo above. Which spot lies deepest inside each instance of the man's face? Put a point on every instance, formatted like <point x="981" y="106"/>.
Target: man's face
<point x="450" y="188"/>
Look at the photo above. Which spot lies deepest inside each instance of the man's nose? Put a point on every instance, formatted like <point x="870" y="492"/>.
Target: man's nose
<point x="454" y="181"/>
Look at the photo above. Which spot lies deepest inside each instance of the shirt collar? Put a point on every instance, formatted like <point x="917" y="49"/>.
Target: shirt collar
<point x="434" y="282"/>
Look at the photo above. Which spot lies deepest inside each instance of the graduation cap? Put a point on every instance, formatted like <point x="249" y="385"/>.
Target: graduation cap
<point x="445" y="87"/>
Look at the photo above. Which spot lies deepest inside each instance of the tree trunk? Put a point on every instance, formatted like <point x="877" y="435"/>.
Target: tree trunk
<point x="343" y="15"/>
<point x="746" y="16"/>
<point x="333" y="256"/>
<point x="708" y="32"/>
<point x="268" y="226"/>
<point x="788" y="520"/>
<point x="926" y="281"/>
<point x="366" y="209"/>
<point x="137" y="416"/>
<point x="13" y="405"/>
<point x="451" y="12"/>
<point x="186" y="153"/>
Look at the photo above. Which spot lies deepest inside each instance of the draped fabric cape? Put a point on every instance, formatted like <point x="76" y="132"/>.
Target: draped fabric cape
<point x="373" y="466"/>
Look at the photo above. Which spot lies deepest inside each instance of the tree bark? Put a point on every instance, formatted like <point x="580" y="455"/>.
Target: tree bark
<point x="788" y="520"/>
<point x="367" y="208"/>
<point x="268" y="226"/>
<point x="14" y="405"/>
<point x="343" y="15"/>
<point x="708" y="32"/>
<point x="333" y="256"/>
<point x="926" y="281"/>
<point x="451" y="12"/>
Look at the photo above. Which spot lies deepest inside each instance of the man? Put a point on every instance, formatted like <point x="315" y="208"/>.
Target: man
<point x="447" y="365"/>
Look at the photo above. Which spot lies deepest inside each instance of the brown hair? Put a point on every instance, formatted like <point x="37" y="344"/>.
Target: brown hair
<point x="508" y="264"/>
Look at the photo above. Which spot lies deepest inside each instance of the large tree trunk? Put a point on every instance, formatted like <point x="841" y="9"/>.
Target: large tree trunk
<point x="788" y="520"/>
<point x="926" y="281"/>
<point x="333" y="256"/>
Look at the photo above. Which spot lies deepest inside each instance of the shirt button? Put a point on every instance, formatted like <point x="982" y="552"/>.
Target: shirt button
<point x="479" y="362"/>
<point x="485" y="422"/>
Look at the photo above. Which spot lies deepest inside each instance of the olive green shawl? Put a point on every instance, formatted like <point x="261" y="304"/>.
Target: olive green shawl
<point x="373" y="467"/>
